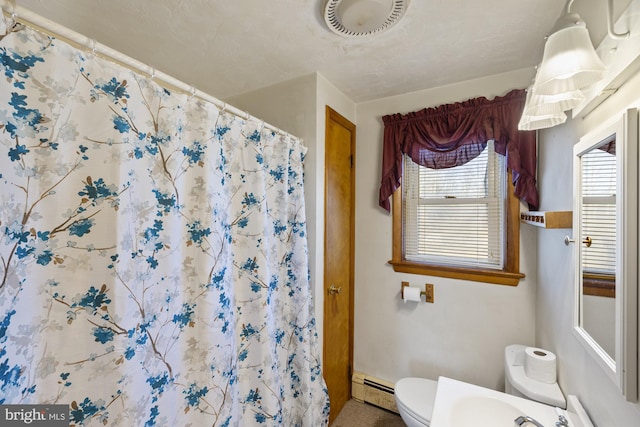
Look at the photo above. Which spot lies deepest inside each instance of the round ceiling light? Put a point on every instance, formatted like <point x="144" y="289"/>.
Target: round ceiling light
<point x="357" y="18"/>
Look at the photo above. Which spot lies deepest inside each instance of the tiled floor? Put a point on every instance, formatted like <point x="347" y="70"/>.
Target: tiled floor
<point x="356" y="414"/>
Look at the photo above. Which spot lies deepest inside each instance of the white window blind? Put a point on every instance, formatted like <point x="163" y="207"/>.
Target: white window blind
<point x="599" y="212"/>
<point x="456" y="216"/>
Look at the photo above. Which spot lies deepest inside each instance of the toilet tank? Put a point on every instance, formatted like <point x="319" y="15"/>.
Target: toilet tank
<point x="517" y="382"/>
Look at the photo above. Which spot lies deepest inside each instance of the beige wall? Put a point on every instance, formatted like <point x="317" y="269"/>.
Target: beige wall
<point x="463" y="334"/>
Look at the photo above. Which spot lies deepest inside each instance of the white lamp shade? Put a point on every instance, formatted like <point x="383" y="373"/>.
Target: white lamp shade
<point x="541" y="122"/>
<point x="540" y="115"/>
<point x="569" y="62"/>
<point x="562" y="101"/>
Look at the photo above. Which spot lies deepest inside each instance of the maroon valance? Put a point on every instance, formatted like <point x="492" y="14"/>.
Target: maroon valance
<point x="609" y="147"/>
<point x="453" y="134"/>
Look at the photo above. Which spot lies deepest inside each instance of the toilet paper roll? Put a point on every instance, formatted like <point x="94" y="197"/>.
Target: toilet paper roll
<point x="540" y="365"/>
<point x="411" y="294"/>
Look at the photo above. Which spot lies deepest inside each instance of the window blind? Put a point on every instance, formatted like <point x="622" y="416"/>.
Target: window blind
<point x="456" y="216"/>
<point x="599" y="212"/>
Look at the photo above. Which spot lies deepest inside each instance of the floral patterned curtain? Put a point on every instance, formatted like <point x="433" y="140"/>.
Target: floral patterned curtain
<point x="153" y="254"/>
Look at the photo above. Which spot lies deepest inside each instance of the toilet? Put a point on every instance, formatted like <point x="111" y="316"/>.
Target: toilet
<point x="517" y="383"/>
<point x="415" y="397"/>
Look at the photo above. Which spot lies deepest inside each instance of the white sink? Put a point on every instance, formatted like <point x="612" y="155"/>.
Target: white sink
<point x="483" y="411"/>
<point x="459" y="404"/>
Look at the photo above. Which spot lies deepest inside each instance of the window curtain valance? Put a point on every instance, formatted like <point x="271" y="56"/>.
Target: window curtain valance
<point x="453" y="134"/>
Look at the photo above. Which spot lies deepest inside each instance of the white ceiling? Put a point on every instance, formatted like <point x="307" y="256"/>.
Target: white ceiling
<point x="228" y="47"/>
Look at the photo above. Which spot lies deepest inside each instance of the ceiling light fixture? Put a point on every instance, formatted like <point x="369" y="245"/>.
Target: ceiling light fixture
<point x="359" y="18"/>
<point x="569" y="64"/>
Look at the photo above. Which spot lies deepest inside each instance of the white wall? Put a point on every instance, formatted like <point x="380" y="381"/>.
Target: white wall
<point x="578" y="373"/>
<point x="464" y="333"/>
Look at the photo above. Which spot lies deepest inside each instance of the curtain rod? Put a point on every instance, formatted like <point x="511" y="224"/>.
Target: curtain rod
<point x="79" y="41"/>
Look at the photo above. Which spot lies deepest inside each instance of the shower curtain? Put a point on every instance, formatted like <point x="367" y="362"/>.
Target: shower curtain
<point x="153" y="253"/>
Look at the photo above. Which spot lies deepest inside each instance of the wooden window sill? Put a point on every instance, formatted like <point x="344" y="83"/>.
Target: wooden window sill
<point x="599" y="285"/>
<point x="498" y="277"/>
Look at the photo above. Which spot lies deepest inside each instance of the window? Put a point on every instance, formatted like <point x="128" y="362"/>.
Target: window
<point x="599" y="222"/>
<point x="460" y="222"/>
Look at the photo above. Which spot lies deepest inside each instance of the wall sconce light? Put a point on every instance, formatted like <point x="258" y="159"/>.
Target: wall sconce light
<point x="569" y="64"/>
<point x="543" y="111"/>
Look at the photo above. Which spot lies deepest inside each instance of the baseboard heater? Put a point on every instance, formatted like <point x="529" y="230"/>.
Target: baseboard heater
<point x="374" y="391"/>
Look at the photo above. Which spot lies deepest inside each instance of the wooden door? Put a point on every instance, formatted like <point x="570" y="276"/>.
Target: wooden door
<point x="339" y="258"/>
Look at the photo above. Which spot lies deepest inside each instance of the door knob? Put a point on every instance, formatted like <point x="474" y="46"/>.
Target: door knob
<point x="588" y="241"/>
<point x="333" y="290"/>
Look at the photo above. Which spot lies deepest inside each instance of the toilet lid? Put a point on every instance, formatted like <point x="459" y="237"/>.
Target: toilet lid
<point x="417" y="395"/>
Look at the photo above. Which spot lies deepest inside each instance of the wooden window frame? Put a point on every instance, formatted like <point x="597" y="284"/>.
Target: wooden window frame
<point x="509" y="275"/>
<point x="599" y="285"/>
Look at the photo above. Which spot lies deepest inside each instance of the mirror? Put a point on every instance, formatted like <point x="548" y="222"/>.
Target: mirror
<point x="598" y="248"/>
<point x="605" y="229"/>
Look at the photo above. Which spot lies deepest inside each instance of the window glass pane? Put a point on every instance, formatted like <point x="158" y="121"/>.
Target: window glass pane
<point x="456" y="216"/>
<point x="468" y="180"/>
<point x="599" y="212"/>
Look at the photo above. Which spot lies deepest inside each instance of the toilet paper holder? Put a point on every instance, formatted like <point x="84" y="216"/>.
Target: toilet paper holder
<point x="427" y="293"/>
